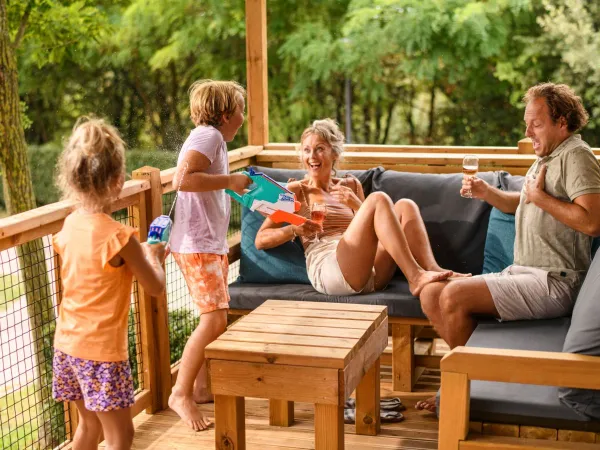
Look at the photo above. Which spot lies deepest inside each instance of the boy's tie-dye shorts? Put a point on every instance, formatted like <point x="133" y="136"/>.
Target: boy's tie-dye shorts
<point x="206" y="278"/>
<point x="104" y="386"/>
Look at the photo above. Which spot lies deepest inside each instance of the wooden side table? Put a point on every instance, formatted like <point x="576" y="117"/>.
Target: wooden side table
<point x="290" y="351"/>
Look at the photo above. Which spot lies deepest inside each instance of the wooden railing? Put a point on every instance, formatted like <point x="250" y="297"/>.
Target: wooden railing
<point x="143" y="198"/>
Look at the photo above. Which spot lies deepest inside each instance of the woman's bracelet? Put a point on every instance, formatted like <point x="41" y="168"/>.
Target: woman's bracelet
<point x="294" y="235"/>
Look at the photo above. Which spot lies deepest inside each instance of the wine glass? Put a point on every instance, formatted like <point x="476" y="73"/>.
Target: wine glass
<point x="318" y="211"/>
<point x="470" y="168"/>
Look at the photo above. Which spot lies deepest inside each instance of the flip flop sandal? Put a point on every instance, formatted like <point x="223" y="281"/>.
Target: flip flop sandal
<point x="349" y="415"/>
<point x="390" y="416"/>
<point x="384" y="416"/>
<point x="387" y="404"/>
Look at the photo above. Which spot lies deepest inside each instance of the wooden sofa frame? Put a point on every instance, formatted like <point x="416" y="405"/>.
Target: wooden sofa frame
<point x="464" y="364"/>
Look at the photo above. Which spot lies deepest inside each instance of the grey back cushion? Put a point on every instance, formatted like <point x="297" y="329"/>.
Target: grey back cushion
<point x="584" y="337"/>
<point x="457" y="227"/>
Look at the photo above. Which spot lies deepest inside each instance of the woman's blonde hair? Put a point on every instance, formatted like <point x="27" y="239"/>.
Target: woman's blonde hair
<point x="211" y="100"/>
<point x="91" y="167"/>
<point x="329" y="131"/>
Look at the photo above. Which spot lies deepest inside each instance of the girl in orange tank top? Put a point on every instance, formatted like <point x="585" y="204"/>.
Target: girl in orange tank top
<point x="99" y="258"/>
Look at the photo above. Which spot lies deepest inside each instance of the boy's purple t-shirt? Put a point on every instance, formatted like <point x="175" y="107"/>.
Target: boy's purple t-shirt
<point x="202" y="218"/>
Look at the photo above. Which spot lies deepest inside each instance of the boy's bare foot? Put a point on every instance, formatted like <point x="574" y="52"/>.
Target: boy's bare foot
<point x="203" y="396"/>
<point x="427" y="405"/>
<point x="185" y="407"/>
<point x="426" y="277"/>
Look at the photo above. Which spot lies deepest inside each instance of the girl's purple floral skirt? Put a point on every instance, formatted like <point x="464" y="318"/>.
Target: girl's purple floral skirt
<point x="104" y="386"/>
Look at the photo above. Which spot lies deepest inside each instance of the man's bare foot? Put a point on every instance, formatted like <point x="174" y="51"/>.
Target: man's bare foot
<point x="185" y="407"/>
<point x="426" y="277"/>
<point x="427" y="405"/>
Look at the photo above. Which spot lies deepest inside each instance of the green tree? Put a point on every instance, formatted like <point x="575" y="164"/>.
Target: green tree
<point x="42" y="27"/>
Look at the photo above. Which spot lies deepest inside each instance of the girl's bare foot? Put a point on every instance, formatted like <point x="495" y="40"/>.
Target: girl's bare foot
<point x="426" y="277"/>
<point x="185" y="407"/>
<point x="427" y="405"/>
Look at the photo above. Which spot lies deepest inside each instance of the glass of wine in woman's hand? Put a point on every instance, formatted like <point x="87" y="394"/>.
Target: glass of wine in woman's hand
<point x="470" y="168"/>
<point x="318" y="212"/>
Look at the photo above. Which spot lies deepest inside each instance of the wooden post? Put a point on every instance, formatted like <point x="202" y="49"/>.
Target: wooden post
<point x="454" y="410"/>
<point x="525" y="146"/>
<point x="154" y="319"/>
<point x="367" y="402"/>
<point x="256" y="70"/>
<point x="230" y="427"/>
<point x="403" y="357"/>
<point x="281" y="413"/>
<point x="329" y="427"/>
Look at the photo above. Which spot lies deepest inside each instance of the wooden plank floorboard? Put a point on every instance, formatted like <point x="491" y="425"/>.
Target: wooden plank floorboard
<point x="419" y="430"/>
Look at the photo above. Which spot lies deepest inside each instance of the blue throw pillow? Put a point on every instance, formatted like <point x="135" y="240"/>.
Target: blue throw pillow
<point x="283" y="264"/>
<point x="498" y="252"/>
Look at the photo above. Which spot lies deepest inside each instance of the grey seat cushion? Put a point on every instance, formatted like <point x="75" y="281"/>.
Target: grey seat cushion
<point x="523" y="404"/>
<point x="584" y="337"/>
<point x="457" y="227"/>
<point x="396" y="296"/>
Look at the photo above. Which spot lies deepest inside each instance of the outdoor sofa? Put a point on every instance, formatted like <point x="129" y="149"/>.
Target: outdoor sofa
<point x="457" y="228"/>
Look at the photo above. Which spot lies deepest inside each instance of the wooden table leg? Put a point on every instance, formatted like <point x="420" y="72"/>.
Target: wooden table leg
<point x="367" y="402"/>
<point x="230" y="426"/>
<point x="403" y="357"/>
<point x="329" y="427"/>
<point x="281" y="413"/>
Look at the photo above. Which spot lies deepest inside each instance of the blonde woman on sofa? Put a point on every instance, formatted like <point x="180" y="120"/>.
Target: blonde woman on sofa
<point x="361" y="241"/>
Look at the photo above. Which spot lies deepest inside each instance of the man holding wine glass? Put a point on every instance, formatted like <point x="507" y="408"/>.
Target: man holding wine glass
<point x="556" y="218"/>
<point x="352" y="245"/>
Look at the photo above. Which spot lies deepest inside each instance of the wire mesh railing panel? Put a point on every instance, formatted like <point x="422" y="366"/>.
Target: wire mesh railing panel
<point x="29" y="290"/>
<point x="136" y="360"/>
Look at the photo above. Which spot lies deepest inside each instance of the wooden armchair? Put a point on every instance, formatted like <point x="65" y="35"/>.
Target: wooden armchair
<point x="464" y="364"/>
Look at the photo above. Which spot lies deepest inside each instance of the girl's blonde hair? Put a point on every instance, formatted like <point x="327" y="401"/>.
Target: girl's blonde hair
<point x="91" y="168"/>
<point x="210" y="100"/>
<point x="329" y="131"/>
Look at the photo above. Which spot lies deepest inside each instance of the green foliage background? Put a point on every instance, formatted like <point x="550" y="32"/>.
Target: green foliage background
<point x="421" y="71"/>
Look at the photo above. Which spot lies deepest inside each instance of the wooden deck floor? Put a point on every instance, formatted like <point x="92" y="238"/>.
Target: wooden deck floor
<point x="419" y="430"/>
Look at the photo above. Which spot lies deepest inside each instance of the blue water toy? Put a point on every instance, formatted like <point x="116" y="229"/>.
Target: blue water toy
<point x="160" y="230"/>
<point x="270" y="198"/>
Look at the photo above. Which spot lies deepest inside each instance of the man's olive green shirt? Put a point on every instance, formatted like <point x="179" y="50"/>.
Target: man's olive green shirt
<point x="543" y="241"/>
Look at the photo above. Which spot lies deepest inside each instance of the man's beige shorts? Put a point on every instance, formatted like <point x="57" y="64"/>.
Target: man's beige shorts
<point x="521" y="292"/>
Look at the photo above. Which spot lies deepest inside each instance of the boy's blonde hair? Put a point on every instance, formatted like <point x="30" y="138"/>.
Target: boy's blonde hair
<point x="210" y="100"/>
<point x="91" y="168"/>
<point x="329" y="131"/>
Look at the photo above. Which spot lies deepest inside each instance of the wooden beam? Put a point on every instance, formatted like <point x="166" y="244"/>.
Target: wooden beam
<point x="482" y="441"/>
<point x="441" y="159"/>
<point x="256" y="70"/>
<point x="524" y="147"/>
<point x="525" y="367"/>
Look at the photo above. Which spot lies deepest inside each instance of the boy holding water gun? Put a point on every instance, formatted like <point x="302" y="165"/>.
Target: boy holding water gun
<point x="199" y="236"/>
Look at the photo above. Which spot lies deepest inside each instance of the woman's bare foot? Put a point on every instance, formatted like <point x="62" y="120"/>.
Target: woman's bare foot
<point x="454" y="274"/>
<point x="185" y="407"/>
<point x="426" y="277"/>
<point x="427" y="405"/>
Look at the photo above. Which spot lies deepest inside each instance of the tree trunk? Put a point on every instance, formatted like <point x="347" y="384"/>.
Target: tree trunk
<point x="19" y="197"/>
<point x="431" y="113"/>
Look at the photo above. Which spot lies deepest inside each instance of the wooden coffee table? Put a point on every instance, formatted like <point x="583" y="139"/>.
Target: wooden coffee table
<point x="290" y="351"/>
